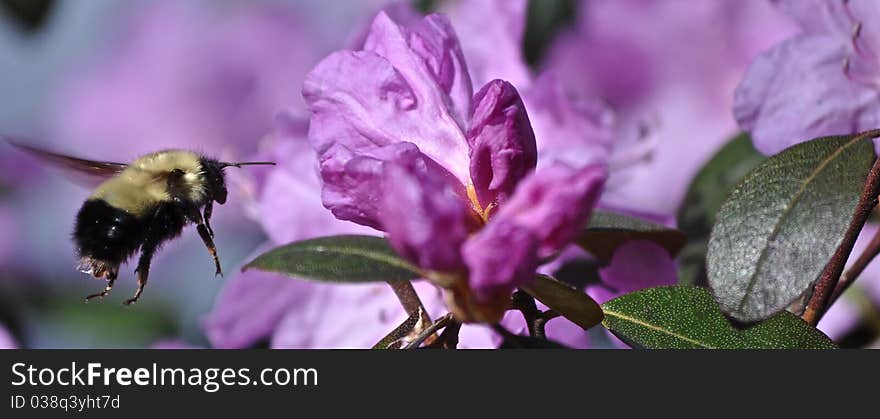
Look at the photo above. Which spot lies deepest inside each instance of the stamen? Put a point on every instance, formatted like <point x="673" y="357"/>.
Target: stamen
<point x="477" y="211"/>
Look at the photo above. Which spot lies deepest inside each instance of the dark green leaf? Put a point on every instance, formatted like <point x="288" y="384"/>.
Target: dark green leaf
<point x="337" y="259"/>
<point x="779" y="227"/>
<point x="686" y="317"/>
<point x="572" y="304"/>
<point x="607" y="231"/>
<point x="704" y="198"/>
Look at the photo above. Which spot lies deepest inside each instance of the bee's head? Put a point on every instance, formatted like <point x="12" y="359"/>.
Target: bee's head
<point x="215" y="180"/>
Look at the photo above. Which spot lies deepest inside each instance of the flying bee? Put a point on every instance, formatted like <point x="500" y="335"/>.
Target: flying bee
<point x="141" y="205"/>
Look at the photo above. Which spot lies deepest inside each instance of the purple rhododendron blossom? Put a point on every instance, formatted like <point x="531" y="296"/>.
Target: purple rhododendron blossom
<point x="570" y="127"/>
<point x="294" y="184"/>
<point x="396" y="126"/>
<point x="823" y="81"/>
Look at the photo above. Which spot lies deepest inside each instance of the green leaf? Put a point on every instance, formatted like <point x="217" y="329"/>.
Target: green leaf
<point x="704" y="198"/>
<point x="337" y="259"/>
<point x="780" y="226"/>
<point x="686" y="317"/>
<point x="607" y="231"/>
<point x="572" y="304"/>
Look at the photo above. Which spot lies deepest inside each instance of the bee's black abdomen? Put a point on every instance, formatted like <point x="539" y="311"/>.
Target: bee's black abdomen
<point x="105" y="233"/>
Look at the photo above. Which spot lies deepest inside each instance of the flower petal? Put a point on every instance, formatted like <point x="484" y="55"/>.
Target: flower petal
<point x="819" y="16"/>
<point x="251" y="306"/>
<point x="502" y="143"/>
<point x="364" y="100"/>
<point x="553" y="204"/>
<point x="428" y="56"/>
<point x="499" y="258"/>
<point x="353" y="182"/>
<point x="425" y="219"/>
<point x="798" y="91"/>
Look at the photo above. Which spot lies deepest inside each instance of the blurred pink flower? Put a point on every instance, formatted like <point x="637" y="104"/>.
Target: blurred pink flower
<point x="668" y="69"/>
<point x="183" y="76"/>
<point x="823" y="81"/>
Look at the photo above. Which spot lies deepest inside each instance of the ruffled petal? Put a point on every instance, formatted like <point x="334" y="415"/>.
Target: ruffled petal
<point x="502" y="143"/>
<point x="499" y="258"/>
<point x="554" y="203"/>
<point x="353" y="184"/>
<point x="400" y="89"/>
<point x="428" y="55"/>
<point x="798" y="91"/>
<point x="425" y="220"/>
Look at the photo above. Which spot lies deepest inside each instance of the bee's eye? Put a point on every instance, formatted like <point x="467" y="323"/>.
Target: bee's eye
<point x="177" y="173"/>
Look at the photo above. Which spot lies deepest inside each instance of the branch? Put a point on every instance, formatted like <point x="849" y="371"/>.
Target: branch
<point x="408" y="297"/>
<point x="524" y="302"/>
<point x="411" y="302"/>
<point x="430" y="330"/>
<point x="857" y="268"/>
<point x="831" y="274"/>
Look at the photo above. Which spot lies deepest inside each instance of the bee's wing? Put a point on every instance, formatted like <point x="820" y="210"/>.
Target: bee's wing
<point x="85" y="172"/>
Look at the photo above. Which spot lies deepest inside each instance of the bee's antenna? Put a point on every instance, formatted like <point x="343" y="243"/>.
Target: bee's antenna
<point x="247" y="163"/>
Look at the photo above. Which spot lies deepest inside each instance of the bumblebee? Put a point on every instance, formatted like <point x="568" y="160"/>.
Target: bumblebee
<point x="139" y="206"/>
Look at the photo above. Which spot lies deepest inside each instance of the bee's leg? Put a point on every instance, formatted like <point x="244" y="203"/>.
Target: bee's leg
<point x="209" y="209"/>
<point x="143" y="270"/>
<point x="205" y="234"/>
<point x="209" y="243"/>
<point x="102" y="294"/>
<point x="111" y="271"/>
<point x="166" y="222"/>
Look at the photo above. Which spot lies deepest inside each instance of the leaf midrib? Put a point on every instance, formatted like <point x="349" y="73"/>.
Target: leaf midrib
<point x="624" y="317"/>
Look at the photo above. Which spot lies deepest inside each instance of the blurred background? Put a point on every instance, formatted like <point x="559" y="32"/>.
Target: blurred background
<point x="111" y="80"/>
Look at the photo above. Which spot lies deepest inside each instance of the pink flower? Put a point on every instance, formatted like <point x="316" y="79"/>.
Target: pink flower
<point x="823" y="81"/>
<point x="405" y="147"/>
